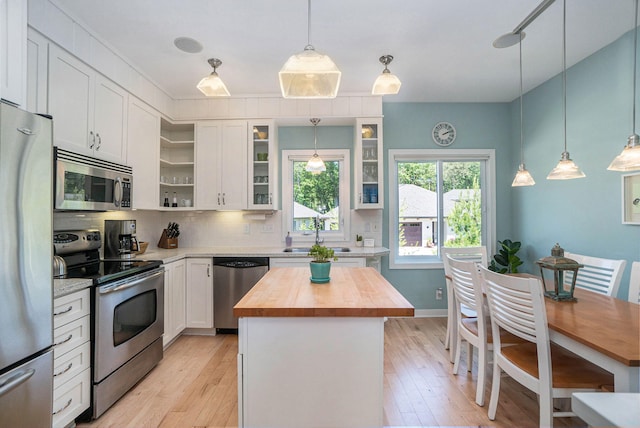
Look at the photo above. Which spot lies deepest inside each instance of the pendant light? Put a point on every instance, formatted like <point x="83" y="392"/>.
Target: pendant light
<point x="386" y="83"/>
<point x="523" y="177"/>
<point x="309" y="74"/>
<point x="629" y="159"/>
<point x="566" y="168"/>
<point x="315" y="164"/>
<point x="212" y="85"/>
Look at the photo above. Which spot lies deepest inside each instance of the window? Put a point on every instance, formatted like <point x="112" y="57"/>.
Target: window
<point x="307" y="197"/>
<point x="439" y="198"/>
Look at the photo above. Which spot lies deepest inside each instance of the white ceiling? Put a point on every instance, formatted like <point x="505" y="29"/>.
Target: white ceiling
<point x="443" y="48"/>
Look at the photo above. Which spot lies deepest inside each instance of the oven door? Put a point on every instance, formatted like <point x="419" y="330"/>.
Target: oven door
<point x="129" y="316"/>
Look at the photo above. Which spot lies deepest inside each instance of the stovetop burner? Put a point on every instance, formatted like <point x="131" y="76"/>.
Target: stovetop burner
<point x="104" y="271"/>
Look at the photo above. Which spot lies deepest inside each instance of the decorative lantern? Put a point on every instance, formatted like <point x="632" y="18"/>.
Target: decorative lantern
<point x="557" y="263"/>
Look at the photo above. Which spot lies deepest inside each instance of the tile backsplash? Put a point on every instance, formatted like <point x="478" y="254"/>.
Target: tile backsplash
<point x="212" y="228"/>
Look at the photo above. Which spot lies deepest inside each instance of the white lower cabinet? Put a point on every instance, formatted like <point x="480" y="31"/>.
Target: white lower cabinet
<point x="174" y="300"/>
<point x="301" y="262"/>
<point x="199" y="292"/>
<point x="72" y="357"/>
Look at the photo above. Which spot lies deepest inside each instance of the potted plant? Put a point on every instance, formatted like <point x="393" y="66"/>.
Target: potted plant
<point x="506" y="261"/>
<point x="358" y="240"/>
<point x="321" y="264"/>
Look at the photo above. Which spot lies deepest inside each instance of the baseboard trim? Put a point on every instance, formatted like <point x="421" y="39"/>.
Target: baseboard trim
<point x="430" y="313"/>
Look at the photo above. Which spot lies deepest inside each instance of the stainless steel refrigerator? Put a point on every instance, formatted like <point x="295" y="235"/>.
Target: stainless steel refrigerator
<point x="26" y="292"/>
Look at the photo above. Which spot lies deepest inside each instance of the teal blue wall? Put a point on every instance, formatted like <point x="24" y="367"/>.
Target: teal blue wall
<point x="478" y="126"/>
<point x="583" y="215"/>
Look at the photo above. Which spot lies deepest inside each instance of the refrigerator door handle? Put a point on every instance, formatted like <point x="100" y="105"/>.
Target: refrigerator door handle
<point x="26" y="131"/>
<point x="15" y="381"/>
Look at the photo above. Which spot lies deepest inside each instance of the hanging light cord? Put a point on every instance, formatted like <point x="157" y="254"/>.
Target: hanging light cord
<point x="521" y="125"/>
<point x="564" y="69"/>
<point x="308" y="24"/>
<point x="635" y="46"/>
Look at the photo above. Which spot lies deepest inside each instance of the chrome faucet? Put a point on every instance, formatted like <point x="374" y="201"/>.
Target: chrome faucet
<point x="318" y="239"/>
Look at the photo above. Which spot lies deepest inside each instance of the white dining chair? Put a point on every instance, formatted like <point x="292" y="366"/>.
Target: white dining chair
<point x="599" y="275"/>
<point x="478" y="254"/>
<point x="634" y="283"/>
<point x="517" y="305"/>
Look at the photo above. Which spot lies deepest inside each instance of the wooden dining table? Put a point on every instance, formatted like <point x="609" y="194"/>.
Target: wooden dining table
<point x="601" y="329"/>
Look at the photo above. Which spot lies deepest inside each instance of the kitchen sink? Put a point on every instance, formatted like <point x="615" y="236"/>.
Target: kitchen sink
<point x="306" y="250"/>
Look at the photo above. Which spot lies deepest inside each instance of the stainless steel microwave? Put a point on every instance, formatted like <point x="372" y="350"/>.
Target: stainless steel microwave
<point x="90" y="184"/>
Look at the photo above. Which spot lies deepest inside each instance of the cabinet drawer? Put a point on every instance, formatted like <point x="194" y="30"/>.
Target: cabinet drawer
<point x="70" y="307"/>
<point x="70" y="364"/>
<point x="70" y="335"/>
<point x="71" y="399"/>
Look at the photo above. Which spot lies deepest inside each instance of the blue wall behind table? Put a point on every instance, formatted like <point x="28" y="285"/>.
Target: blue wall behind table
<point x="478" y="126"/>
<point x="583" y="215"/>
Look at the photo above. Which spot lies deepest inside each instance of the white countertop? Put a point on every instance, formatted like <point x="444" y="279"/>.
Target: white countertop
<point x="168" y="256"/>
<point x="620" y="409"/>
<point x="63" y="287"/>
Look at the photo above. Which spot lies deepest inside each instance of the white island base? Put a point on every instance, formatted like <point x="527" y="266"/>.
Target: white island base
<point x="310" y="372"/>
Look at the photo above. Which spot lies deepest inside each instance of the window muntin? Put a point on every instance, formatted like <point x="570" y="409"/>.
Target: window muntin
<point x="434" y="194"/>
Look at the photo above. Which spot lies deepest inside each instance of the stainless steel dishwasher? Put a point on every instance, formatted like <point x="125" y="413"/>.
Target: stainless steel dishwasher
<point x="233" y="277"/>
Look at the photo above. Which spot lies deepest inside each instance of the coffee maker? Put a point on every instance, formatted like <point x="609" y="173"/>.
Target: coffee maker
<point x="120" y="240"/>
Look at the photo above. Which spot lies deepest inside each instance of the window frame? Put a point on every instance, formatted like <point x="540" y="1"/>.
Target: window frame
<point x="340" y="155"/>
<point x="488" y="187"/>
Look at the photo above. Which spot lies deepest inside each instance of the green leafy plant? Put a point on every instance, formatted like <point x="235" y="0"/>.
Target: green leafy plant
<point x="358" y="237"/>
<point x="506" y="261"/>
<point x="322" y="254"/>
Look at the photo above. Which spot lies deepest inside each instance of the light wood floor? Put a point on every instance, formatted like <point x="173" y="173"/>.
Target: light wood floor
<point x="195" y="386"/>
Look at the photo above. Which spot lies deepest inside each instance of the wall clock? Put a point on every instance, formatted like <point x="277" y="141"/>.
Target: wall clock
<point x="444" y="134"/>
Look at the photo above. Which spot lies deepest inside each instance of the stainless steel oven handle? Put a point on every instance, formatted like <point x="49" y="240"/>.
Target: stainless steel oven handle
<point x="124" y="286"/>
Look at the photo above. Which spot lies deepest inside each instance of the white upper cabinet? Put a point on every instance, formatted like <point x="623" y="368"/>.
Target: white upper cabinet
<point x="368" y="171"/>
<point x="262" y="166"/>
<point x="221" y="165"/>
<point x="142" y="153"/>
<point x="13" y="51"/>
<point x="89" y="111"/>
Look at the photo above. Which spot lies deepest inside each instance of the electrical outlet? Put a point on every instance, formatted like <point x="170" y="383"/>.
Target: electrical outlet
<point x="267" y="228"/>
<point x="367" y="227"/>
<point x="439" y="294"/>
<point x="247" y="228"/>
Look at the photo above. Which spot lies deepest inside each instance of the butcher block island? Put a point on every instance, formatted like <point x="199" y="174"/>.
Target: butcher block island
<point x="312" y="354"/>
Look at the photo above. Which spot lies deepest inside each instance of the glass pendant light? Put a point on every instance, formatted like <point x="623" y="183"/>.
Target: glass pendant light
<point x="629" y="159"/>
<point x="309" y="74"/>
<point x="212" y="85"/>
<point x="315" y="164"/>
<point x="386" y="83"/>
<point x="522" y="178"/>
<point x="566" y="168"/>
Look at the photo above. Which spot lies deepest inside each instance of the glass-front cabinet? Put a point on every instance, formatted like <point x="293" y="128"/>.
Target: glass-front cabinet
<point x="176" y="165"/>
<point x="368" y="164"/>
<point x="263" y="157"/>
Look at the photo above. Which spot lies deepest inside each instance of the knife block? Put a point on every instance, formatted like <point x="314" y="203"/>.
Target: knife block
<point x="166" y="242"/>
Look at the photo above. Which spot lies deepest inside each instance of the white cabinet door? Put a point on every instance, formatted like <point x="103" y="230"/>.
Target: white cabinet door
<point x="221" y="165"/>
<point x="174" y="300"/>
<point x="142" y="153"/>
<point x="13" y="50"/>
<point x="208" y="137"/>
<point x="37" y="59"/>
<point x="89" y="110"/>
<point x="71" y="86"/>
<point x="110" y="111"/>
<point x="199" y="293"/>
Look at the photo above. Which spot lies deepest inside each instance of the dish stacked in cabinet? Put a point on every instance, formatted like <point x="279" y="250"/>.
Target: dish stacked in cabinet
<point x="176" y="165"/>
<point x="71" y="357"/>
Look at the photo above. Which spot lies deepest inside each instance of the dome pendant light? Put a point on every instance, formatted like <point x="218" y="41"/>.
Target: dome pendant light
<point x="629" y="159"/>
<point x="522" y="178"/>
<point x="212" y="85"/>
<point x="309" y="74"/>
<point x="386" y="83"/>
<point x="566" y="168"/>
<point x="315" y="164"/>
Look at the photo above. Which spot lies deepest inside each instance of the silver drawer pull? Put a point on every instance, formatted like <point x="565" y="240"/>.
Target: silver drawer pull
<point x="64" y="371"/>
<point x="64" y="408"/>
<point x="64" y="341"/>
<point x="55" y="314"/>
